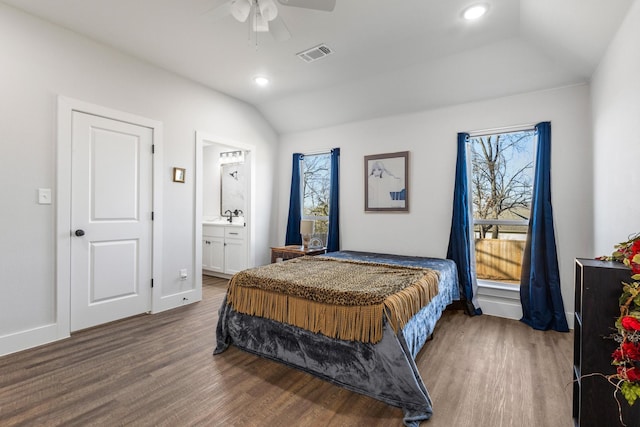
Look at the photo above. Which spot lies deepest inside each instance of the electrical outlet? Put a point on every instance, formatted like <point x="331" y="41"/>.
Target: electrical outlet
<point x="183" y="274"/>
<point x="44" y="196"/>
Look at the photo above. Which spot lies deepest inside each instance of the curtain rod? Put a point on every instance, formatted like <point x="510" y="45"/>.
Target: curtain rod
<point x="505" y="129"/>
<point x="312" y="153"/>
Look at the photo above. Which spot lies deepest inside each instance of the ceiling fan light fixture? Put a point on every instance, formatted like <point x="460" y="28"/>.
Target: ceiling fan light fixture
<point x="263" y="15"/>
<point x="261" y="81"/>
<point x="474" y="12"/>
<point x="268" y="9"/>
<point x="260" y="25"/>
<point x="240" y="9"/>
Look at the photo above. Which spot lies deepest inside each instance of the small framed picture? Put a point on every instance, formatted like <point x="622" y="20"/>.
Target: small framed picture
<point x="178" y="174"/>
<point x="386" y="182"/>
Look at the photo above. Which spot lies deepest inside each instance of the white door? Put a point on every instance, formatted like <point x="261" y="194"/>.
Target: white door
<point x="111" y="203"/>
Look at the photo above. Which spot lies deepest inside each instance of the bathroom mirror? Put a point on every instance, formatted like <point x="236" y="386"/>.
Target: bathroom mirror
<point x="232" y="187"/>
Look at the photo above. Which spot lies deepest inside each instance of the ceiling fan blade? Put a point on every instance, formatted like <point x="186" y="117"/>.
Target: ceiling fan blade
<point x="279" y="30"/>
<point x="240" y="9"/>
<point x="326" y="5"/>
<point x="219" y="12"/>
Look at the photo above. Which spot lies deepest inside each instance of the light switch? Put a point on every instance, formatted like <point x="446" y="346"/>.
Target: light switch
<point x="44" y="196"/>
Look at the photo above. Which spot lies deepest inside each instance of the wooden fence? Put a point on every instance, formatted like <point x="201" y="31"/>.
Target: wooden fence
<point x="498" y="259"/>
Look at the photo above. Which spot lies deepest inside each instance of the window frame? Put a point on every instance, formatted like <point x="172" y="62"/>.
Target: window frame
<point x="302" y="189"/>
<point x="496" y="288"/>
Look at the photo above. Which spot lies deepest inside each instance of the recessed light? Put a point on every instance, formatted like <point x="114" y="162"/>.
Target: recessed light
<point x="261" y="81"/>
<point x="475" y="12"/>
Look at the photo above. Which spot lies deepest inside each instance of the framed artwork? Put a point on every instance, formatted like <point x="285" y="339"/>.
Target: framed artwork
<point x="386" y="182"/>
<point x="178" y="174"/>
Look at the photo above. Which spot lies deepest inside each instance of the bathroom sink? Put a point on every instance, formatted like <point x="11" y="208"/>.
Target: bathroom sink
<point x="237" y="221"/>
<point x="215" y="222"/>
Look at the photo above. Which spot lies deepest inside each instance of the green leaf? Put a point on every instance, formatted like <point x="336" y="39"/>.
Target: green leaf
<point x="630" y="391"/>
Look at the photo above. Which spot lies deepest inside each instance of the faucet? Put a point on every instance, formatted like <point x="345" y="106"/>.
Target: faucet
<point x="236" y="213"/>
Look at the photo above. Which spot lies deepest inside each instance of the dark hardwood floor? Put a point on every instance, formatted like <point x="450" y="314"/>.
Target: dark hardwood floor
<point x="158" y="370"/>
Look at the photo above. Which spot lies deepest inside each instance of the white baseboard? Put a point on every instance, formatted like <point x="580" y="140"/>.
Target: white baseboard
<point x="176" y="300"/>
<point x="23" y="340"/>
<point x="505" y="303"/>
<point x="496" y="308"/>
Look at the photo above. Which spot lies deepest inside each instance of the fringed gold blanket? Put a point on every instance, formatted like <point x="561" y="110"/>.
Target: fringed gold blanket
<point x="342" y="299"/>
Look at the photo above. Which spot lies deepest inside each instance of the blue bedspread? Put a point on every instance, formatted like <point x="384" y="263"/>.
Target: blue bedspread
<point x="385" y="371"/>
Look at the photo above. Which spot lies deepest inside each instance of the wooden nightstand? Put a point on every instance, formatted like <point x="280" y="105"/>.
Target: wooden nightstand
<point x="294" y="251"/>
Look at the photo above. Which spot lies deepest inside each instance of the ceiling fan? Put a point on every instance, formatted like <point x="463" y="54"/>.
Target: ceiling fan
<point x="264" y="13"/>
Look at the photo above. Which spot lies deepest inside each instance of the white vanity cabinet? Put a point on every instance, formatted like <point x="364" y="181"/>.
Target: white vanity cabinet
<point x="213" y="248"/>
<point x="224" y="249"/>
<point x="235" y="250"/>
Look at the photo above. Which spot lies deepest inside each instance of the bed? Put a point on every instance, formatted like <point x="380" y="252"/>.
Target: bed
<point x="382" y="365"/>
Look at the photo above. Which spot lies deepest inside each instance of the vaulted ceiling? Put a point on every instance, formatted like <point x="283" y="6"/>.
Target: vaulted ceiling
<point x="389" y="56"/>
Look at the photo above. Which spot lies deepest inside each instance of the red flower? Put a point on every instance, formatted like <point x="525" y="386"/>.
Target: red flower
<point x="617" y="355"/>
<point x="630" y="323"/>
<point x="633" y="374"/>
<point x="629" y="374"/>
<point x="631" y="350"/>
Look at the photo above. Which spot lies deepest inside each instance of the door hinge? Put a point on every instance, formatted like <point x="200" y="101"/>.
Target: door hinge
<point x="152" y="215"/>
<point x="152" y="283"/>
<point x="153" y="148"/>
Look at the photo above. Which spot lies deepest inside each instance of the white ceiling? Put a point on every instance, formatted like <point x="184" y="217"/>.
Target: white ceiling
<point x="390" y="56"/>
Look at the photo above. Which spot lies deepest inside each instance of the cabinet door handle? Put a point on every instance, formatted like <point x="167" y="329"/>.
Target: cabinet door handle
<point x="235" y="234"/>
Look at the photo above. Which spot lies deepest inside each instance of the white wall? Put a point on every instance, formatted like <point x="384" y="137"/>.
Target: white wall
<point x="211" y="181"/>
<point x="430" y="137"/>
<point x="616" y="136"/>
<point x="41" y="61"/>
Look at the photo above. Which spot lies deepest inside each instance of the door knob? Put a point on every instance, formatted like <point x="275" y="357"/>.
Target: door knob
<point x="79" y="233"/>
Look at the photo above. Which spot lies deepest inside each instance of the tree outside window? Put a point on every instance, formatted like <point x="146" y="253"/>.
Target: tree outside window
<point x="501" y="181"/>
<point x="316" y="181"/>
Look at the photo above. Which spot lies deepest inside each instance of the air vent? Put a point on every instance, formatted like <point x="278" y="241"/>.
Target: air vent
<point x="315" y="53"/>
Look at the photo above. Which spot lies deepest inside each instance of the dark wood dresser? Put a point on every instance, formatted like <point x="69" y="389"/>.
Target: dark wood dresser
<point x="598" y="286"/>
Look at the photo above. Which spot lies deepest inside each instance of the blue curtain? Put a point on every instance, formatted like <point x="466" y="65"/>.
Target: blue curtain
<point x="542" y="305"/>
<point x="461" y="245"/>
<point x="333" y="240"/>
<point x="295" y="204"/>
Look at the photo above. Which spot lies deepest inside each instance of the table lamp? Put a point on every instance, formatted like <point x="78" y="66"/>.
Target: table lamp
<point x="306" y="230"/>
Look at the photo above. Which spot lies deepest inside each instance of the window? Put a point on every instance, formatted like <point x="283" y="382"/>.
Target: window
<point x="316" y="185"/>
<point x="501" y="182"/>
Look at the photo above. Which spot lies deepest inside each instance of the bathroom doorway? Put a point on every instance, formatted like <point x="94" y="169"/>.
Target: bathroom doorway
<point x="211" y="153"/>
